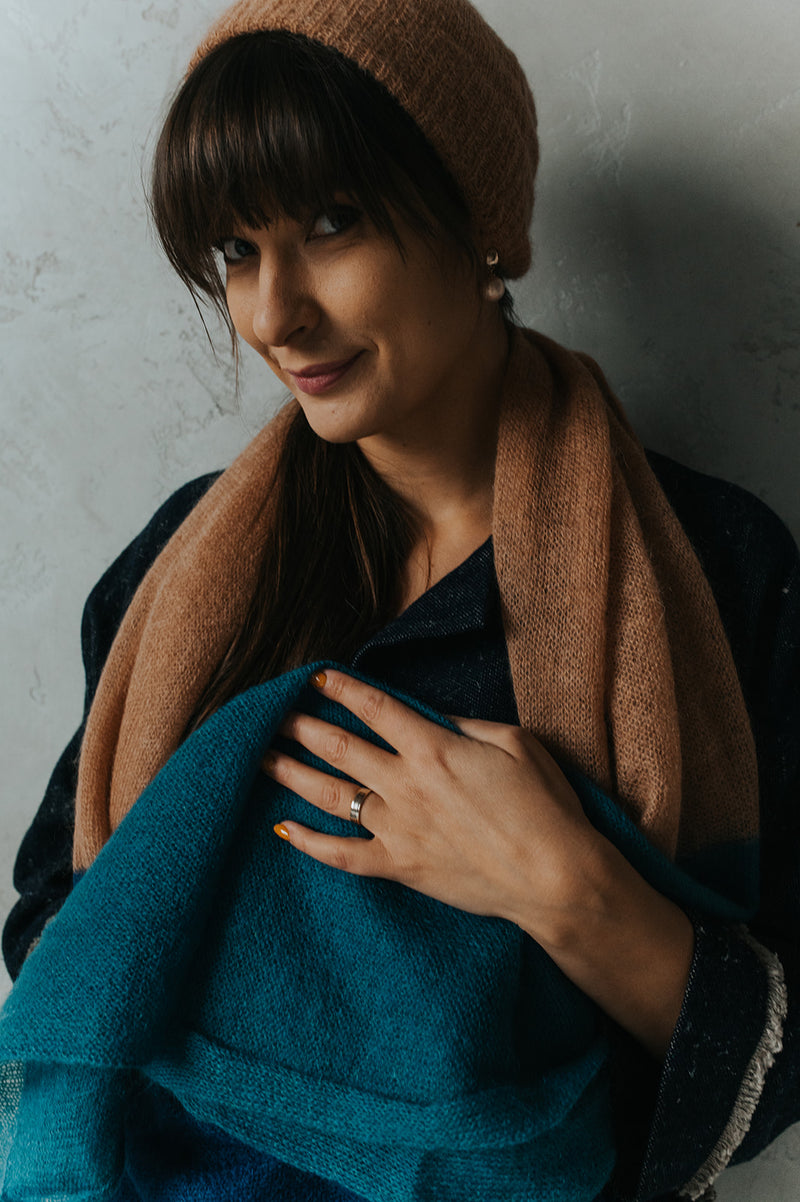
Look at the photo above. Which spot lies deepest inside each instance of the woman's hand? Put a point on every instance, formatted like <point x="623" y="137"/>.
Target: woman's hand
<point x="486" y="821"/>
<point x="483" y="820"/>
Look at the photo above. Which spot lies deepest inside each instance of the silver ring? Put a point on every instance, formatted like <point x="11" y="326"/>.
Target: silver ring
<point x="356" y="805"/>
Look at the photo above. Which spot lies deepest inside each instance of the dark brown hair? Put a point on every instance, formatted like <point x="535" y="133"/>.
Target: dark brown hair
<point x="276" y="122"/>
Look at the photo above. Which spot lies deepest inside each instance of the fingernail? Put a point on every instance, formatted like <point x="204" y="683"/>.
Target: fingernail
<point x="268" y="762"/>
<point x="319" y="680"/>
<point x="282" y="832"/>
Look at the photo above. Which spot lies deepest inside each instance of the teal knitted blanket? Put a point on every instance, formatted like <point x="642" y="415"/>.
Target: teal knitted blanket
<point x="349" y="1026"/>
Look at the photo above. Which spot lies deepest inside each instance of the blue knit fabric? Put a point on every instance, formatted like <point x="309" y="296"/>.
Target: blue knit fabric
<point x="349" y="1027"/>
<point x="172" y="1157"/>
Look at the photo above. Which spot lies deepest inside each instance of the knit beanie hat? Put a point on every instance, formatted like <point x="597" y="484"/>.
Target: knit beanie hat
<point x="451" y="72"/>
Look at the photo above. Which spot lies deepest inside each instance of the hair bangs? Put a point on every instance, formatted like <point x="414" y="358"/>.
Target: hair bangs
<point x="276" y="124"/>
<point x="265" y="126"/>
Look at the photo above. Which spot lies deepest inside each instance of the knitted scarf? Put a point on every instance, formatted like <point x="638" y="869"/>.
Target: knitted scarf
<point x="618" y="657"/>
<point x="351" y="1027"/>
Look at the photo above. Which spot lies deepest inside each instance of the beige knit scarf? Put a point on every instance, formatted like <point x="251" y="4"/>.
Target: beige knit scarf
<point x="618" y="656"/>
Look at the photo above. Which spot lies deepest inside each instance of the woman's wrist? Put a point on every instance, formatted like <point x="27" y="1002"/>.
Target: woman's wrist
<point x="622" y="942"/>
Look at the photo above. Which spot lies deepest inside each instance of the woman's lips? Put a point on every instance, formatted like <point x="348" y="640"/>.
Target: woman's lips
<point x="317" y="379"/>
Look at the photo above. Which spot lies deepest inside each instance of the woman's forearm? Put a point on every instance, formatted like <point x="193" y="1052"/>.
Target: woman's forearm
<point x="624" y="944"/>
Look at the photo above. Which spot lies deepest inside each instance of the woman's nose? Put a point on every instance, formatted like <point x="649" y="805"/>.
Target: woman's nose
<point x="285" y="305"/>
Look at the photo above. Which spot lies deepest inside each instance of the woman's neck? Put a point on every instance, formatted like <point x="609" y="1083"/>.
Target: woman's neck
<point x="443" y="464"/>
<point x="444" y="470"/>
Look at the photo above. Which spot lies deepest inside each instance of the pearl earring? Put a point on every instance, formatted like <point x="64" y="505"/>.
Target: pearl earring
<point x="495" y="289"/>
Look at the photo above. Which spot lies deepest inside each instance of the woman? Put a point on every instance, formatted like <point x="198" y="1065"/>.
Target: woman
<point x="506" y="987"/>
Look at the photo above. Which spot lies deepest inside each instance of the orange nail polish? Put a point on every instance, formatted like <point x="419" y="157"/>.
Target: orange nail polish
<point x="319" y="680"/>
<point x="282" y="832"/>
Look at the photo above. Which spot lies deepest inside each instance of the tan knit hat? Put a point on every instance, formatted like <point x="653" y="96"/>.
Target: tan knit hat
<point x="451" y="72"/>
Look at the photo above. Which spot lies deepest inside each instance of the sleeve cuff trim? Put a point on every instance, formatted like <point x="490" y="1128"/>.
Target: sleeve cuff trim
<point x="770" y="1044"/>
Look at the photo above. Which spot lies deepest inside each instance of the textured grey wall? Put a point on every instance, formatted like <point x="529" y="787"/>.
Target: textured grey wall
<point x="667" y="246"/>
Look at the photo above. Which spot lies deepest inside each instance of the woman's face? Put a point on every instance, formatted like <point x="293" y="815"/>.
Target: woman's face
<point x="372" y="346"/>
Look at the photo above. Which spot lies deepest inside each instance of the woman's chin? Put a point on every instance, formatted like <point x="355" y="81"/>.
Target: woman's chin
<point x="337" y="425"/>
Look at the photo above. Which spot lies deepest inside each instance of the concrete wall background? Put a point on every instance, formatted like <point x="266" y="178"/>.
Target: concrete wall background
<point x="667" y="246"/>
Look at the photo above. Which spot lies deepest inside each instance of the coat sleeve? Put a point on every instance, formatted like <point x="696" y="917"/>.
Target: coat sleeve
<point x="43" y="868"/>
<point x="729" y="1082"/>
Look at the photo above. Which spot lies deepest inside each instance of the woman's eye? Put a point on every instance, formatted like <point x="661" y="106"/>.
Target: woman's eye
<point x="235" y="249"/>
<point x="334" y="221"/>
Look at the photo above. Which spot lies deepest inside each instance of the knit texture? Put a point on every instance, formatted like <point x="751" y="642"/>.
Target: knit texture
<point x="352" y="1027"/>
<point x="618" y="656"/>
<point x="452" y="73"/>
